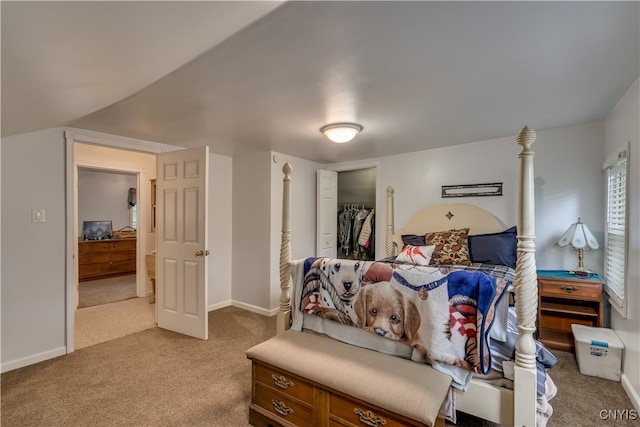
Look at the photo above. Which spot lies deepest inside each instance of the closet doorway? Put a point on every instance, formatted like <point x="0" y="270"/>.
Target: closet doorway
<point x="356" y="214"/>
<point x="346" y="221"/>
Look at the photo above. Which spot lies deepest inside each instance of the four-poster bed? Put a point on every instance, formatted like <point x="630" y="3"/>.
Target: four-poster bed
<point x="515" y="406"/>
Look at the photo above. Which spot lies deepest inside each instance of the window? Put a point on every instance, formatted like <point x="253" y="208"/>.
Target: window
<point x="133" y="216"/>
<point x="615" y="232"/>
<point x="132" y="199"/>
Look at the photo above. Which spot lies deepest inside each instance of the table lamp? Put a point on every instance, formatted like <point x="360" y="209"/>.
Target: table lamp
<point x="580" y="239"/>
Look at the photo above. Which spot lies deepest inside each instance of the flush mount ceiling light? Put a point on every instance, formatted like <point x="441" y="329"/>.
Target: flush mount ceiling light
<point x="341" y="132"/>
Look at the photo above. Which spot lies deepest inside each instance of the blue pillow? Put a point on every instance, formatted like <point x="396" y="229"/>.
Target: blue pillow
<point x="413" y="240"/>
<point x="495" y="248"/>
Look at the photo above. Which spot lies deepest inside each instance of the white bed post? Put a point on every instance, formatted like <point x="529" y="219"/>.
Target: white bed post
<point x="389" y="241"/>
<point x="284" y="313"/>
<point x="526" y="289"/>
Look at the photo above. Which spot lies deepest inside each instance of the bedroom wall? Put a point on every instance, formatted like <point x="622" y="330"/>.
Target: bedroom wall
<point x="620" y="126"/>
<point x="33" y="324"/>
<point x="303" y="215"/>
<point x="102" y="195"/>
<point x="251" y="231"/>
<point x="33" y="264"/>
<point x="220" y="230"/>
<point x="257" y="225"/>
<point x="567" y="185"/>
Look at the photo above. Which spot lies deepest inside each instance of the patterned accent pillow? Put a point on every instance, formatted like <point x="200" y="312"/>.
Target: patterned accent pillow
<point x="419" y="255"/>
<point x="452" y="247"/>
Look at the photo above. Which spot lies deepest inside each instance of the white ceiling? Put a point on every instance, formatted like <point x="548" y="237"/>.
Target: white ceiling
<point x="243" y="76"/>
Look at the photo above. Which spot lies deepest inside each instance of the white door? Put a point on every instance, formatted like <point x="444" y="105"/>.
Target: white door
<point x="327" y="221"/>
<point x="181" y="267"/>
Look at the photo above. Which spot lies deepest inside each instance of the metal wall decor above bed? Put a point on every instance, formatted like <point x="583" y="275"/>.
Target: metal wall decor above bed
<point x="472" y="190"/>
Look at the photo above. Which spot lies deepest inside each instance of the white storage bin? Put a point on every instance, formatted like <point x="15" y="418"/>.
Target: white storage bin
<point x="598" y="351"/>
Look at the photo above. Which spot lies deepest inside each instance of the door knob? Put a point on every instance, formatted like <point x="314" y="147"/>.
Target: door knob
<point x="202" y="253"/>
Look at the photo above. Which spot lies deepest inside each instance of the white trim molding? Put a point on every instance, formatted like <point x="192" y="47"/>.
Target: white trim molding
<point x="32" y="359"/>
<point x="114" y="141"/>
<point x="633" y="395"/>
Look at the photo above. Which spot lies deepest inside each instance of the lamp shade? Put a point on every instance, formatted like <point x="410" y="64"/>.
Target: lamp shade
<point x="579" y="237"/>
<point x="341" y="132"/>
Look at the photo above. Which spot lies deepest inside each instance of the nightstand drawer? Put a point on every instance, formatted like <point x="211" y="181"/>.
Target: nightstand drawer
<point x="570" y="289"/>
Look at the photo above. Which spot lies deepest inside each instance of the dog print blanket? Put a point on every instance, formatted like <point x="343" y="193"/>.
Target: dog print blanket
<point x="445" y="313"/>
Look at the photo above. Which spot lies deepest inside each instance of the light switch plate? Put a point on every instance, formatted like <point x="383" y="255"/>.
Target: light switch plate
<point x="37" y="215"/>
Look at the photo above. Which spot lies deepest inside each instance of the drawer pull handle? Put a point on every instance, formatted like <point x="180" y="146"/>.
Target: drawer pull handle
<point x="369" y="418"/>
<point x="281" y="408"/>
<point x="282" y="381"/>
<point x="569" y="289"/>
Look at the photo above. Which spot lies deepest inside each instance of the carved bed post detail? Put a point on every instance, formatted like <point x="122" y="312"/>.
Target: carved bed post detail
<point x="389" y="236"/>
<point x="526" y="288"/>
<point x="284" y="313"/>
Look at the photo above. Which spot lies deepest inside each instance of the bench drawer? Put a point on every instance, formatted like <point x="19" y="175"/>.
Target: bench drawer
<point x="305" y="397"/>
<point x="282" y="406"/>
<point x="285" y="383"/>
<point x="345" y="411"/>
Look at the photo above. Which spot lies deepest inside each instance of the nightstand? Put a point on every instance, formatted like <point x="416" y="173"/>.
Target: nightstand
<point x="565" y="299"/>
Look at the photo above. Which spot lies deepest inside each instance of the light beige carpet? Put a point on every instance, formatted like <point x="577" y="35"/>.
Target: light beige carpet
<point x="160" y="378"/>
<point x="106" y="322"/>
<point x="152" y="378"/>
<point x="105" y="291"/>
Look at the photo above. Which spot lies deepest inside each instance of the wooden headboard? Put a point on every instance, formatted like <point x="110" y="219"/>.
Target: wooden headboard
<point x="444" y="217"/>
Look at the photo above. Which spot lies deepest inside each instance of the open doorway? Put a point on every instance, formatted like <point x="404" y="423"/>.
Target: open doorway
<point x="189" y="168"/>
<point x="112" y="235"/>
<point x="107" y="223"/>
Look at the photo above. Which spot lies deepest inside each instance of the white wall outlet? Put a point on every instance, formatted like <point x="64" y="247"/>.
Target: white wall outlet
<point x="37" y="215"/>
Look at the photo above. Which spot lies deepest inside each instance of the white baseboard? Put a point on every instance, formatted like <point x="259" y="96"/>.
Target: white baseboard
<point x="244" y="306"/>
<point x="633" y="394"/>
<point x="35" y="358"/>
<point x="61" y="351"/>
<point x="219" y="305"/>
<point x="254" y="308"/>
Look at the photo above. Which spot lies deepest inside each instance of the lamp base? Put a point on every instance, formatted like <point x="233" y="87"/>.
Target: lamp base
<point x="582" y="272"/>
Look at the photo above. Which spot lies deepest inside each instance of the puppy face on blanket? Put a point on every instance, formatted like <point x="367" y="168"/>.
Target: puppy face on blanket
<point x="385" y="311"/>
<point x="346" y="278"/>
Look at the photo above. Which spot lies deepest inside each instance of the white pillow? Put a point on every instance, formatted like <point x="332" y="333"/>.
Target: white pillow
<point x="419" y="255"/>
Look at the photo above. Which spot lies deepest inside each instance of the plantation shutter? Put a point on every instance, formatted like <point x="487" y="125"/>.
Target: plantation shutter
<point x="615" y="237"/>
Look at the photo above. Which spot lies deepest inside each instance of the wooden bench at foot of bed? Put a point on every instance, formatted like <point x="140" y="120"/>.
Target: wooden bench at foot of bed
<point x="304" y="379"/>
